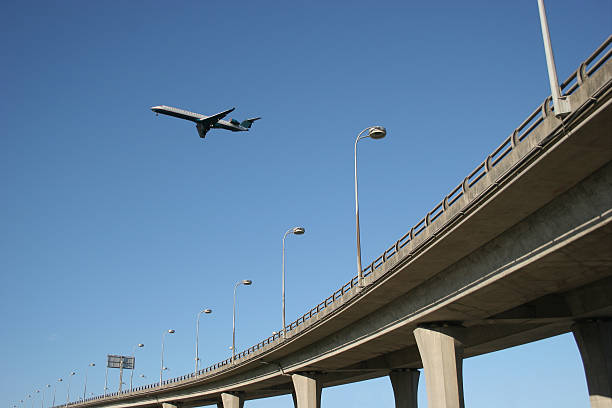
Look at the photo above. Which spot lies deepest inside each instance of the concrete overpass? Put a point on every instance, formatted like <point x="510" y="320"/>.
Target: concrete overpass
<point x="519" y="251"/>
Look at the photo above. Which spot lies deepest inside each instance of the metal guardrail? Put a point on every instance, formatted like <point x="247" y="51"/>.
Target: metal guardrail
<point x="569" y="86"/>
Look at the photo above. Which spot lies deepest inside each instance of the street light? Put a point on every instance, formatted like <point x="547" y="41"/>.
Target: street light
<point x="85" y="386"/>
<point x="374" y="132"/>
<point x="68" y="394"/>
<point x="197" y="358"/>
<point x="161" y="370"/>
<point x="54" y="389"/>
<point x="295" y="231"/>
<point x="42" y="404"/>
<point x="38" y="392"/>
<point x="245" y="282"/>
<point x="136" y="347"/>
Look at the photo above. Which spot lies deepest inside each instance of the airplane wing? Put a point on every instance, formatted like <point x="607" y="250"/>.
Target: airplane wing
<point x="211" y="120"/>
<point x="204" y="124"/>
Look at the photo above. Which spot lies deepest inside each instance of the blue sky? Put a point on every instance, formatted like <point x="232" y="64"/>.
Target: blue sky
<point x="117" y="225"/>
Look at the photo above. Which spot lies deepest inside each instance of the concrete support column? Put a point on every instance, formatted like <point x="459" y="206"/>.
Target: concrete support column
<point x="405" y="384"/>
<point x="594" y="339"/>
<point x="168" y="405"/>
<point x="442" y="356"/>
<point x="307" y="390"/>
<point x="231" y="401"/>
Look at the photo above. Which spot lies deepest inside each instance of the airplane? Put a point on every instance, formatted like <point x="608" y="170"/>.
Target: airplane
<point x="205" y="123"/>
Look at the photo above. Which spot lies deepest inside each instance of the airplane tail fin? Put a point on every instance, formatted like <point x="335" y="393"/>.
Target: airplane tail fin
<point x="248" y="122"/>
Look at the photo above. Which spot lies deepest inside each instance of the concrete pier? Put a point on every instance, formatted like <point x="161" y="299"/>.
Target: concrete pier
<point x="405" y="385"/>
<point x="594" y="339"/>
<point x="442" y="356"/>
<point x="307" y="390"/>
<point x="231" y="401"/>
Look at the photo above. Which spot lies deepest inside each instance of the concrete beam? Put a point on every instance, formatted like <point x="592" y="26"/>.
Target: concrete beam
<point x="405" y="385"/>
<point x="442" y="356"/>
<point x="307" y="389"/>
<point x="594" y="339"/>
<point x="231" y="401"/>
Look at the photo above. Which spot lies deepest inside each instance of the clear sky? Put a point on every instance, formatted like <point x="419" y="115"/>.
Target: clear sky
<point x="118" y="225"/>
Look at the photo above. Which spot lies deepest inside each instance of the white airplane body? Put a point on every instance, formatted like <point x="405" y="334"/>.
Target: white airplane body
<point x="205" y="123"/>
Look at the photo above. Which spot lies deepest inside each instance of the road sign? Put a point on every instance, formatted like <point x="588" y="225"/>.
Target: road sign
<point x="125" y="362"/>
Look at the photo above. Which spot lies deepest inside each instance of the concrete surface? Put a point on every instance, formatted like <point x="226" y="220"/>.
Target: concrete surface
<point x="307" y="390"/>
<point x="405" y="384"/>
<point x="442" y="356"/>
<point x="594" y="339"/>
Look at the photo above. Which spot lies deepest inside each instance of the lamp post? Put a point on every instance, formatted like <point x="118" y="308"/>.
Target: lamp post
<point x="161" y="370"/>
<point x="374" y="132"/>
<point x="38" y="392"/>
<point x="197" y="358"/>
<point x="54" y="389"/>
<point x="68" y="393"/>
<point x="42" y="404"/>
<point x="245" y="282"/>
<point x="136" y="347"/>
<point x="85" y="384"/>
<point x="561" y="104"/>
<point x="295" y="231"/>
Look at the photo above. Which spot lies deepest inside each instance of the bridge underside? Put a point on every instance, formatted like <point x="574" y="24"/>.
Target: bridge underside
<point x="503" y="295"/>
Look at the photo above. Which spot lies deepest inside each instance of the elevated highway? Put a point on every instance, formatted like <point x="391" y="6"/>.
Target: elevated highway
<point x="519" y="251"/>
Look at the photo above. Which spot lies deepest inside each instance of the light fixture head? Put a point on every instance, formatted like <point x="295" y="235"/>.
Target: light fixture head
<point x="247" y="282"/>
<point x="377" y="132"/>
<point x="299" y="230"/>
<point x="140" y="345"/>
<point x="73" y="373"/>
<point x="171" y="331"/>
<point x="92" y="364"/>
<point x="207" y="311"/>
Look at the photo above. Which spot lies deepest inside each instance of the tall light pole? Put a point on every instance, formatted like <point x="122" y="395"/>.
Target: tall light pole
<point x="374" y="132"/>
<point x="245" y="282"/>
<point x="161" y="370"/>
<point x="42" y="404"/>
<point x="136" y="347"/>
<point x="38" y="392"/>
<point x="85" y="385"/>
<point x="197" y="358"/>
<point x="68" y="393"/>
<point x="561" y="104"/>
<point x="295" y="231"/>
<point x="54" y="389"/>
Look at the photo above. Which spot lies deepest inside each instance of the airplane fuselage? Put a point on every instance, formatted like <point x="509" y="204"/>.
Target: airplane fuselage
<point x="203" y="122"/>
